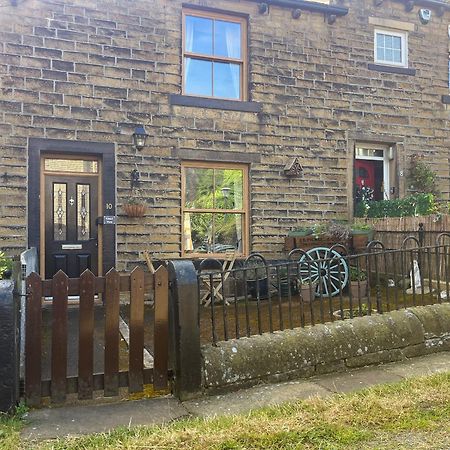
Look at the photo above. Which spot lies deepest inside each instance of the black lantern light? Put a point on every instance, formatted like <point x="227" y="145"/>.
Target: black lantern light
<point x="139" y="137"/>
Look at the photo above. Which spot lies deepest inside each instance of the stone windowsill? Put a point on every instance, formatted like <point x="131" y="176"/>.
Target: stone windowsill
<point x="214" y="103"/>
<point x="392" y="69"/>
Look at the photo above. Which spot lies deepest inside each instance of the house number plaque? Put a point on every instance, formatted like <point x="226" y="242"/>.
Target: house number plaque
<point x="109" y="220"/>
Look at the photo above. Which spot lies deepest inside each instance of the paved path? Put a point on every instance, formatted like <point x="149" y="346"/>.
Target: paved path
<point x="75" y="420"/>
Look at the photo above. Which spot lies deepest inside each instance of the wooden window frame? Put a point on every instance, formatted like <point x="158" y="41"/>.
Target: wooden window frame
<point x="245" y="211"/>
<point x="242" y="61"/>
<point x="403" y="35"/>
<point x="385" y="159"/>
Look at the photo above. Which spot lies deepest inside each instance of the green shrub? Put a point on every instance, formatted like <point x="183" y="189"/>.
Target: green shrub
<point x="421" y="178"/>
<point x="357" y="274"/>
<point x="5" y="264"/>
<point x="413" y="205"/>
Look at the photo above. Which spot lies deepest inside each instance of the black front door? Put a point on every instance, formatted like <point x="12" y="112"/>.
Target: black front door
<point x="71" y="236"/>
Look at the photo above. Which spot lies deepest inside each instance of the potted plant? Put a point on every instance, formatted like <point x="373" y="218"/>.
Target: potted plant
<point x="134" y="208"/>
<point x="301" y="231"/>
<point x="358" y="282"/>
<point x="362" y="234"/>
<point x="5" y="267"/>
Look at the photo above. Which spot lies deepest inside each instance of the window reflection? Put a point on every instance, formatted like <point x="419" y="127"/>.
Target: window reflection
<point x="213" y="56"/>
<point x="198" y="77"/>
<point x="214" y="215"/>
<point x="227" y="80"/>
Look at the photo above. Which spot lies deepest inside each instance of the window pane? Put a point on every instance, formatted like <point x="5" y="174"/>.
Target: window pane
<point x="389" y="55"/>
<point x="369" y="152"/>
<point x="198" y="77"/>
<point x="198" y="232"/>
<point x="227" y="39"/>
<point x="388" y="41"/>
<point x="397" y="56"/>
<point x="397" y="42"/>
<point x="380" y="40"/>
<point x="227" y="232"/>
<point x="199" y="188"/>
<point x="60" y="211"/>
<point x="83" y="212"/>
<point x="198" y="35"/>
<point x="229" y="189"/>
<point x="227" y="80"/>
<point x="380" y="54"/>
<point x="70" y="165"/>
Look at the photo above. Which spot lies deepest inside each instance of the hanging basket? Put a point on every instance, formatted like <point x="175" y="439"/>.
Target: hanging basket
<point x="134" y="210"/>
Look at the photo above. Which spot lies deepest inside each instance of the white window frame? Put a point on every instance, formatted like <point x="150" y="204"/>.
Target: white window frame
<point x="386" y="160"/>
<point x="404" y="39"/>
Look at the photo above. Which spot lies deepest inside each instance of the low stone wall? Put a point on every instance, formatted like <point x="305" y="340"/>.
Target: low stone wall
<point x="326" y="348"/>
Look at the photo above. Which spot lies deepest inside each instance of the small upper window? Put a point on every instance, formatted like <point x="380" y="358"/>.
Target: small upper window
<point x="391" y="48"/>
<point x="214" y="55"/>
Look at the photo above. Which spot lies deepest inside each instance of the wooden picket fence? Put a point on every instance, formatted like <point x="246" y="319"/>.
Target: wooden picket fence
<point x="108" y="289"/>
<point x="393" y="230"/>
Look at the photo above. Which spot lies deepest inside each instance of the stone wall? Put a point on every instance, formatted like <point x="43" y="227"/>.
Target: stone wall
<point x="92" y="70"/>
<point x="326" y="348"/>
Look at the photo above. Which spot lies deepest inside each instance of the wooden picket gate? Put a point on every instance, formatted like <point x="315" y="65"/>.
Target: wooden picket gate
<point x="108" y="289"/>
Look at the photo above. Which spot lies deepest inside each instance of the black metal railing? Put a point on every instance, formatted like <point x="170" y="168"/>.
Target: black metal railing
<point x="254" y="296"/>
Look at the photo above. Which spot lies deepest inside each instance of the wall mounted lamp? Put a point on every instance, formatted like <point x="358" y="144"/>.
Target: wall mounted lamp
<point x="331" y="19"/>
<point x="409" y="6"/>
<point x="263" y="8"/>
<point x="296" y="13"/>
<point x="139" y="137"/>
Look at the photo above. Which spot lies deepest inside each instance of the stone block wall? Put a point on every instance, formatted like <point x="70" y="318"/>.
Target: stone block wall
<point x="92" y="70"/>
<point x="338" y="346"/>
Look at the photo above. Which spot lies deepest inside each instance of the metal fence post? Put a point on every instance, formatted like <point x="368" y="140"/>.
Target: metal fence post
<point x="185" y="335"/>
<point x="421" y="233"/>
<point x="9" y="347"/>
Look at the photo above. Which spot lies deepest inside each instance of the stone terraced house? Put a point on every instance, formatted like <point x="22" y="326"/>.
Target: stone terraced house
<point x="258" y="116"/>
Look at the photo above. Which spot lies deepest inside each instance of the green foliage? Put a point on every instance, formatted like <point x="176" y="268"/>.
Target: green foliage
<point x="361" y="227"/>
<point x="209" y="195"/>
<point x="5" y="264"/>
<point x="357" y="274"/>
<point x="413" y="205"/>
<point x="421" y="178"/>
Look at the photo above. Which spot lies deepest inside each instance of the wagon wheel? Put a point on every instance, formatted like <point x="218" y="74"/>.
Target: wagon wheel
<point x="327" y="268"/>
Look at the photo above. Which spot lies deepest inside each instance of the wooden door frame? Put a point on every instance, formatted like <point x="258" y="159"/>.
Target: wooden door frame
<point x="37" y="148"/>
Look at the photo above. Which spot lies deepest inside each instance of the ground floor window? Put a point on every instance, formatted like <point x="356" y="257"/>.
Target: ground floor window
<point x="214" y="208"/>
<point x="372" y="173"/>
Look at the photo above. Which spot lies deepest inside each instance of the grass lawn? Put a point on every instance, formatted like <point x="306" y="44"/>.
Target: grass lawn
<point x="412" y="414"/>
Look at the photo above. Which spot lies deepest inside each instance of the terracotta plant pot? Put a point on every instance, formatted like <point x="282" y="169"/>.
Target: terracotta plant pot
<point x="360" y="242"/>
<point x="362" y="291"/>
<point x="134" y="209"/>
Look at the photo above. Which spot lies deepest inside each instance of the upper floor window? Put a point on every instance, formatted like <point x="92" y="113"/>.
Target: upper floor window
<point x="214" y="55"/>
<point x="391" y="48"/>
